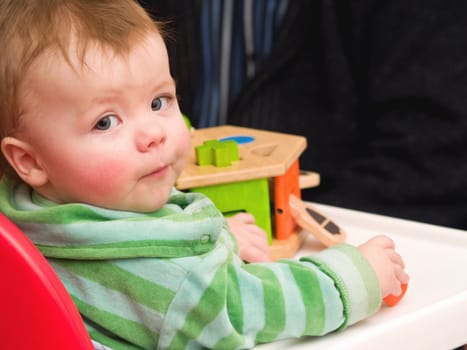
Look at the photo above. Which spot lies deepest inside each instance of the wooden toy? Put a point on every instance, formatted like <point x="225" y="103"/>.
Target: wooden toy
<point x="257" y="171"/>
<point x="322" y="227"/>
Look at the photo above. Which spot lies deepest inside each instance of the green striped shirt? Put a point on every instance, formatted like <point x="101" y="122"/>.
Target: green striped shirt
<point x="172" y="279"/>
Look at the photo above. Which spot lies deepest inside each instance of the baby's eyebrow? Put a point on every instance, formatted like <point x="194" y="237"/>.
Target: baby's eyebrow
<point x="166" y="82"/>
<point x="105" y="98"/>
<point x="163" y="86"/>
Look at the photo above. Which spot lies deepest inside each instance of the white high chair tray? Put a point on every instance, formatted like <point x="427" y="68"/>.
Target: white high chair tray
<point x="433" y="312"/>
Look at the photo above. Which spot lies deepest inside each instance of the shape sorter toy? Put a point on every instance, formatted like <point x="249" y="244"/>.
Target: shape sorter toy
<point x="257" y="171"/>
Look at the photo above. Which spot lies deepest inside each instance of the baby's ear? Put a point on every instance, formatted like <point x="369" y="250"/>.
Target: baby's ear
<point x="23" y="159"/>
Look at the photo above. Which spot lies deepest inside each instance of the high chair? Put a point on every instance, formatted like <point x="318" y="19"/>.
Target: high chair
<point x="36" y="312"/>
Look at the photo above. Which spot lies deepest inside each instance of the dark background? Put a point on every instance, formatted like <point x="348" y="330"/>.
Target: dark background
<point x="379" y="88"/>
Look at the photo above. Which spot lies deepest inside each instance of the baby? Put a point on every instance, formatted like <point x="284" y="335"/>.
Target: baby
<point x="92" y="142"/>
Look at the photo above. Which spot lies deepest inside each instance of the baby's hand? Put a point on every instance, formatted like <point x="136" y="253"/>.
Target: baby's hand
<point x="389" y="266"/>
<point x="252" y="240"/>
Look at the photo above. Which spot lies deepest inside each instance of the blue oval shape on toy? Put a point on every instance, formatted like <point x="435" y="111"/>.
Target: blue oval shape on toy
<point x="240" y="139"/>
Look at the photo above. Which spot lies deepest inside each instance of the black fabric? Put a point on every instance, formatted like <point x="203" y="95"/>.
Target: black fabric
<point x="379" y="88"/>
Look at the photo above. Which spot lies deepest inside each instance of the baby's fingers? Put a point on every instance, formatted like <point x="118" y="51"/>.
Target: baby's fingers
<point x="243" y="217"/>
<point x="252" y="252"/>
<point x="384" y="241"/>
<point x="399" y="266"/>
<point x="395" y="258"/>
<point x="399" y="278"/>
<point x="401" y="275"/>
<point x="259" y="255"/>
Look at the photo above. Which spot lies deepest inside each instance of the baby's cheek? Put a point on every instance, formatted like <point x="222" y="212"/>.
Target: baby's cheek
<point x="184" y="148"/>
<point x="104" y="178"/>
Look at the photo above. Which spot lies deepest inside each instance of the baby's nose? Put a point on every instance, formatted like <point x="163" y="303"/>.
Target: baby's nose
<point x="150" y="135"/>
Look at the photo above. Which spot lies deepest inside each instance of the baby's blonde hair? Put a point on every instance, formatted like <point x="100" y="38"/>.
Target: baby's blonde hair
<point x="30" y="28"/>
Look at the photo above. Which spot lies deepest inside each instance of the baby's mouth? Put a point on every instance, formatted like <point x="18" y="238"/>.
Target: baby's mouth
<point x="161" y="171"/>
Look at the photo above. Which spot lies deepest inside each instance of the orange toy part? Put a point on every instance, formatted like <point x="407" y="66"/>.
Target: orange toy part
<point x="392" y="300"/>
<point x="284" y="186"/>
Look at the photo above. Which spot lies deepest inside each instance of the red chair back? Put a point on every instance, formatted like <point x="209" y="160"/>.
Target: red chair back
<point x="36" y="310"/>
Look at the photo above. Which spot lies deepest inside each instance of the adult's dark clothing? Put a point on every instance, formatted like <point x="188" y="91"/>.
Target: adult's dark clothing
<point x="379" y="88"/>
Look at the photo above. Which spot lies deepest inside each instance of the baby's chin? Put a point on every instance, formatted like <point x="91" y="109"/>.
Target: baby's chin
<point x="139" y="207"/>
<point x="144" y="206"/>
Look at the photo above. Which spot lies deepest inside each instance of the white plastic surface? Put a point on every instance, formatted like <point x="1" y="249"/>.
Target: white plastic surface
<point x="433" y="312"/>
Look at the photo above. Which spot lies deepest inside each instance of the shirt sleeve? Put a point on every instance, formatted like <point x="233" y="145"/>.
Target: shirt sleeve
<point x="237" y="305"/>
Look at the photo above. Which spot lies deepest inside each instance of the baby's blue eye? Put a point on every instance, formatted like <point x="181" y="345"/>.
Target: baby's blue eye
<point x="106" y="123"/>
<point x="159" y="103"/>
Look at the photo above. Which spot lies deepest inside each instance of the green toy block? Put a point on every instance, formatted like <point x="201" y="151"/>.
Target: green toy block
<point x="232" y="147"/>
<point x="250" y="196"/>
<point x="221" y="155"/>
<point x="217" y="153"/>
<point x="203" y="155"/>
<point x="211" y="143"/>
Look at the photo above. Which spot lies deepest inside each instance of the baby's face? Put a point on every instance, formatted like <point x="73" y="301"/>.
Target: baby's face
<point x="110" y="133"/>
